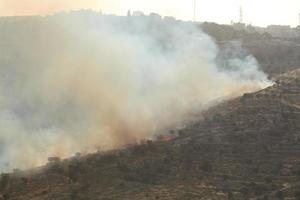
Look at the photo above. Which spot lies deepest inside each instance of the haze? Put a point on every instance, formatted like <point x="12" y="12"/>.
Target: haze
<point x="256" y="12"/>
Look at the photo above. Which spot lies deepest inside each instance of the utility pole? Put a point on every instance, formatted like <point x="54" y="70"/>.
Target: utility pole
<point x="195" y="5"/>
<point x="241" y="15"/>
<point x="299" y="27"/>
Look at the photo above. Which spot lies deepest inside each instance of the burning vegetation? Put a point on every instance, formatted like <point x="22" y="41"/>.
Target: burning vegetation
<point x="156" y="108"/>
<point x="105" y="81"/>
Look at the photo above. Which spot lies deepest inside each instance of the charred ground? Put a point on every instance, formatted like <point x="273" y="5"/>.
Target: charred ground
<point x="246" y="148"/>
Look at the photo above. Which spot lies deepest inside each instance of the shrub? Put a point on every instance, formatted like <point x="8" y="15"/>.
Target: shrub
<point x="123" y="167"/>
<point x="279" y="195"/>
<point x="4" y="181"/>
<point x="56" y="168"/>
<point x="297" y="195"/>
<point x="298" y="173"/>
<point x="206" y="166"/>
<point x="268" y="180"/>
<point x="230" y="195"/>
<point x="6" y="196"/>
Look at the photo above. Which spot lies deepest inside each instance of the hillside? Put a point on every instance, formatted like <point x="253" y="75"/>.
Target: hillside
<point x="275" y="55"/>
<point x="246" y="148"/>
<point x="73" y="81"/>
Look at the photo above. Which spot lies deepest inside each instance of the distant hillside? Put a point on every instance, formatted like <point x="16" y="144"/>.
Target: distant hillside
<point x="246" y="148"/>
<point x="275" y="55"/>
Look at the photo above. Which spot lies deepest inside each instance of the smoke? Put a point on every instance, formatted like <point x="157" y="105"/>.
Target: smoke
<point x="82" y="81"/>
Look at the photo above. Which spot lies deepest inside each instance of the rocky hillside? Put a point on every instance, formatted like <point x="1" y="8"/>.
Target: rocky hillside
<point x="246" y="148"/>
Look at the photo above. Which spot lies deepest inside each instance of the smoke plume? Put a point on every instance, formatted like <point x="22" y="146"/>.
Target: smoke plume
<point x="82" y="81"/>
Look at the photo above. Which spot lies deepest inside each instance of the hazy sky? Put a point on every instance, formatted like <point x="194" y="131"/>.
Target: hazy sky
<point x="256" y="12"/>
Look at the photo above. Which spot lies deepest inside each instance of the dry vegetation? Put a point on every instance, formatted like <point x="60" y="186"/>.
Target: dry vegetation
<point x="246" y="148"/>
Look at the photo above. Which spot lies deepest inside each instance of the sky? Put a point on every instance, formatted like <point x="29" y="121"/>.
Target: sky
<point x="256" y="12"/>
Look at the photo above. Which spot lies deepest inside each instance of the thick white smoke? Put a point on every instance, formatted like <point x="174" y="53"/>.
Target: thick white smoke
<point x="75" y="82"/>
